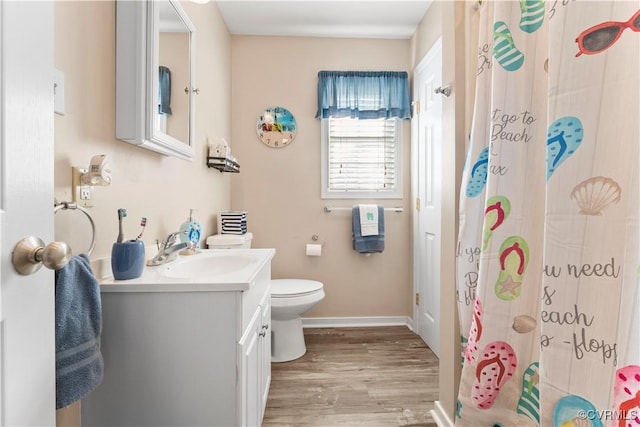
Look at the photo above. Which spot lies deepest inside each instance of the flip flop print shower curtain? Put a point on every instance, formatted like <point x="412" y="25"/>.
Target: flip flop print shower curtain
<point x="548" y="260"/>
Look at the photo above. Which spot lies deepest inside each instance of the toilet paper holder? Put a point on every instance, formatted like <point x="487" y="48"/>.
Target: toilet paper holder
<point x="315" y="248"/>
<point x="315" y="239"/>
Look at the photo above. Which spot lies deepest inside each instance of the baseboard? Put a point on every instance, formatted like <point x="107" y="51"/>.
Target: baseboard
<point x="356" y="322"/>
<point x="440" y="416"/>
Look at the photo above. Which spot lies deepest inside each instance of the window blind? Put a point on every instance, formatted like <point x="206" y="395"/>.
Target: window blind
<point x="362" y="155"/>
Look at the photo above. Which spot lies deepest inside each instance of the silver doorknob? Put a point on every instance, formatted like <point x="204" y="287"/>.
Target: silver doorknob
<point x="30" y="254"/>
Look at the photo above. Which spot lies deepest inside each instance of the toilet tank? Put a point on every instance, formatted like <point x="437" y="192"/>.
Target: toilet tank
<point x="229" y="241"/>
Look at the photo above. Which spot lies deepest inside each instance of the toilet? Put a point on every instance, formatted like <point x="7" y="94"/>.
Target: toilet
<point x="290" y="299"/>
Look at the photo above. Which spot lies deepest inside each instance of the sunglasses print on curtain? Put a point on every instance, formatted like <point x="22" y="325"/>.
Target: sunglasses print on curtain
<point x="602" y="36"/>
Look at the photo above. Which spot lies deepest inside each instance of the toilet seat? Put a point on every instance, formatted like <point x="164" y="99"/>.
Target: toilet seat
<point x="293" y="288"/>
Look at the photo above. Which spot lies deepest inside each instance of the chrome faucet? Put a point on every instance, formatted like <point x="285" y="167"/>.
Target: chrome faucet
<point x="167" y="250"/>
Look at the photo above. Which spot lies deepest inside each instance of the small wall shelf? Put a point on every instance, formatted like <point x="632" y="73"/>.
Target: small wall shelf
<point x="223" y="164"/>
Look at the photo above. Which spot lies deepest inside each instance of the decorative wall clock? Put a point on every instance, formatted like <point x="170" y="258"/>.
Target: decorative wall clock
<point x="276" y="127"/>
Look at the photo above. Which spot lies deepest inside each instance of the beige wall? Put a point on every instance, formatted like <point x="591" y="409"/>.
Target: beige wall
<point x="280" y="188"/>
<point x="145" y="183"/>
<point x="451" y="21"/>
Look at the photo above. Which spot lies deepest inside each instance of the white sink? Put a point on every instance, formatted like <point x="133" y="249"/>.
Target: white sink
<point x="207" y="265"/>
<point x="211" y="269"/>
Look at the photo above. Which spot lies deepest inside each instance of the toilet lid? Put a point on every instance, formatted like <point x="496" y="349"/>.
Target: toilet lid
<point x="282" y="288"/>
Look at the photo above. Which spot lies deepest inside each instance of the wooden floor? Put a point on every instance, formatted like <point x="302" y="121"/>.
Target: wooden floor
<point x="355" y="377"/>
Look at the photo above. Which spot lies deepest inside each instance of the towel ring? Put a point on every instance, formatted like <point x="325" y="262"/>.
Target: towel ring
<point x="70" y="205"/>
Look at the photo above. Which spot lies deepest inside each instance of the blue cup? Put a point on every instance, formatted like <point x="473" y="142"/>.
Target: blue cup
<point x="127" y="259"/>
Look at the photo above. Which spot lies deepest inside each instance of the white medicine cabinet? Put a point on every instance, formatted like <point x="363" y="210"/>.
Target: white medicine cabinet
<point x="155" y="86"/>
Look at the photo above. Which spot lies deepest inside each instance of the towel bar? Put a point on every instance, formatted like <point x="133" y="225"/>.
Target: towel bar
<point x="70" y="205"/>
<point x="331" y="208"/>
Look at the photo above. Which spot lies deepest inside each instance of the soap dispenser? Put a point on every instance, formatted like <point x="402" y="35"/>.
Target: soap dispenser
<point x="190" y="231"/>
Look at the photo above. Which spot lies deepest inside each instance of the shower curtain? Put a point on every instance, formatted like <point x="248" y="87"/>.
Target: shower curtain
<point x="548" y="263"/>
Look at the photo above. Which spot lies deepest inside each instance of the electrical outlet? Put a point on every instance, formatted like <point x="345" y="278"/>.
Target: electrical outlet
<point x="85" y="192"/>
<point x="83" y="195"/>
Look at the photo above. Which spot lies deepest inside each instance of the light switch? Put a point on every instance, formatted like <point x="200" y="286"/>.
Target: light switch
<point x="58" y="91"/>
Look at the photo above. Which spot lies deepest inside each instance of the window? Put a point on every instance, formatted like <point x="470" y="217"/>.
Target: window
<point x="361" y="158"/>
<point x="361" y="113"/>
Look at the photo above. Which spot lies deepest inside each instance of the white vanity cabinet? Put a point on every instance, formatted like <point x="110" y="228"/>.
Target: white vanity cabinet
<point x="265" y="349"/>
<point x="254" y="349"/>
<point x="184" y="355"/>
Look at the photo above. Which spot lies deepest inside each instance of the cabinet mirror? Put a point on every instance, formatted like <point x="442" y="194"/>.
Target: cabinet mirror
<point x="155" y="76"/>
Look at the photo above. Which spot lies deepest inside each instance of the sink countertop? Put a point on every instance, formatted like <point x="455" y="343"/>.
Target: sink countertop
<point x="153" y="279"/>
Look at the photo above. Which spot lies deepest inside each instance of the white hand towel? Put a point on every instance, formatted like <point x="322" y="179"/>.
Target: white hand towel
<point x="369" y="220"/>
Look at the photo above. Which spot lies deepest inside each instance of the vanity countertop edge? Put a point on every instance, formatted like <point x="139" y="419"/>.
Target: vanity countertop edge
<point x="152" y="281"/>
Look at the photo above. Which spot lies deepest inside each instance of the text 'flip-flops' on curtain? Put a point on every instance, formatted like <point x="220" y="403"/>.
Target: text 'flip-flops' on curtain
<point x="548" y="260"/>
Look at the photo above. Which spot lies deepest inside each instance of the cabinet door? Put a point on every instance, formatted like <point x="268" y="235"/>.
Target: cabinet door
<point x="249" y="389"/>
<point x="265" y="353"/>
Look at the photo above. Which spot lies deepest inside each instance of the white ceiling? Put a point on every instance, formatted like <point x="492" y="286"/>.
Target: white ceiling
<point x="395" y="19"/>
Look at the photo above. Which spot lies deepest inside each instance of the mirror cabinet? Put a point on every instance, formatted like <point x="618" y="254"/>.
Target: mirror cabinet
<point x="155" y="87"/>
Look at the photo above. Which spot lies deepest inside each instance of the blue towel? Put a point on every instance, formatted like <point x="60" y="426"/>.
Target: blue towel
<point x="367" y="244"/>
<point x="164" y="91"/>
<point x="79" y="364"/>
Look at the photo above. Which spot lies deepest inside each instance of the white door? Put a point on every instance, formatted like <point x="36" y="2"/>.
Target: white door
<point x="26" y="209"/>
<point x="427" y="179"/>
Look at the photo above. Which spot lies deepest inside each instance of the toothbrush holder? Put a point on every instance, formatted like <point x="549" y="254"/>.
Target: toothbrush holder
<point x="127" y="259"/>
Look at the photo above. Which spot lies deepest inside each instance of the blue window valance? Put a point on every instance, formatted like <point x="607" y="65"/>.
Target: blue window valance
<point x="363" y="94"/>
